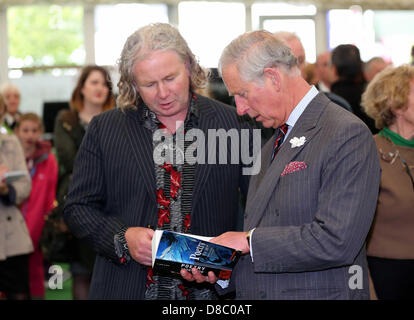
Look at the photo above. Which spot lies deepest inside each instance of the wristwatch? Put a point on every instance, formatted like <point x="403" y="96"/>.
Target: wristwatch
<point x="121" y="246"/>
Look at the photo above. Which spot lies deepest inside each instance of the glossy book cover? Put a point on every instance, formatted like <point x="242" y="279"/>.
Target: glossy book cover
<point x="174" y="251"/>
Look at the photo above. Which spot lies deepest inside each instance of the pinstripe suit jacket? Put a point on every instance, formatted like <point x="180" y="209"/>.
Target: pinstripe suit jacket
<point x="113" y="185"/>
<point x="311" y="224"/>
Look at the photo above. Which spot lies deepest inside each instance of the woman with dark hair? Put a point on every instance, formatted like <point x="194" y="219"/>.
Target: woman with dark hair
<point x="91" y="96"/>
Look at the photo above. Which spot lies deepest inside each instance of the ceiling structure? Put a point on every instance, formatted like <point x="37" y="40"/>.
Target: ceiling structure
<point x="324" y="4"/>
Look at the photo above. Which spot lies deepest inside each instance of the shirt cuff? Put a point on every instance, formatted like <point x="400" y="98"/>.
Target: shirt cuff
<point x="250" y="244"/>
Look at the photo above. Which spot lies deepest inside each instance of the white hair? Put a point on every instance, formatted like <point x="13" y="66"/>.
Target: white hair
<point x="255" y="51"/>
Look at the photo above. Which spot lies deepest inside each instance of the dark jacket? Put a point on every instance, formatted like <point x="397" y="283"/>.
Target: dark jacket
<point x="114" y="186"/>
<point x="352" y="92"/>
<point x="68" y="136"/>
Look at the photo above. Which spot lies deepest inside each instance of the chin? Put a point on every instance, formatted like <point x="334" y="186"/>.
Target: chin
<point x="268" y="124"/>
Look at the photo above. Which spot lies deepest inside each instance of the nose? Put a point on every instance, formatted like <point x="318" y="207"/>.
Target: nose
<point x="241" y="105"/>
<point x="162" y="90"/>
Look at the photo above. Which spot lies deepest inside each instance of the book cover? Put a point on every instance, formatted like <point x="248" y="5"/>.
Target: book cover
<point x="174" y="251"/>
<point x="11" y="176"/>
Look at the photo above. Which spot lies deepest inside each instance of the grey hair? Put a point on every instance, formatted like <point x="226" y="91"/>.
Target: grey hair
<point x="254" y="51"/>
<point x="158" y="36"/>
<point x="9" y="86"/>
<point x="286" y="35"/>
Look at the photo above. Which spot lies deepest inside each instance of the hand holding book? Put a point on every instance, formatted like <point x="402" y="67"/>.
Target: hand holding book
<point x="173" y="252"/>
<point x="139" y="244"/>
<point x="195" y="275"/>
<point x="235" y="240"/>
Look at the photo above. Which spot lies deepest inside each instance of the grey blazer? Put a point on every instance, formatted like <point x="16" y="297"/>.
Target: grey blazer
<point x="113" y="185"/>
<point x="311" y="224"/>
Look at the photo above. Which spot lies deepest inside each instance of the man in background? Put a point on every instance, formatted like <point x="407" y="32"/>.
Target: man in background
<point x="323" y="71"/>
<point x="373" y="66"/>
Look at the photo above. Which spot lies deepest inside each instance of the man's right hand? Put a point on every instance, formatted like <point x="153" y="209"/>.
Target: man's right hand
<point x="139" y="244"/>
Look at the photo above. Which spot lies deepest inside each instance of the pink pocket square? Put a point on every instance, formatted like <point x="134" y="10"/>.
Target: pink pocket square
<point x="293" y="167"/>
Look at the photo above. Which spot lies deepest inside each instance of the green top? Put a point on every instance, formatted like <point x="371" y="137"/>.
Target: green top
<point x="396" y="138"/>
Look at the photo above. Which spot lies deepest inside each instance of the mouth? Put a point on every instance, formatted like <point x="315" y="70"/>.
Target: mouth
<point x="166" y="105"/>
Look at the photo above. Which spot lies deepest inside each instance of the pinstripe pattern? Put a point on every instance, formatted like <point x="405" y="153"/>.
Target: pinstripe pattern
<point x="311" y="224"/>
<point x="114" y="185"/>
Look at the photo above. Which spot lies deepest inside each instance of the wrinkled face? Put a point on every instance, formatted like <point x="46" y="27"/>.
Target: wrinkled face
<point x="261" y="101"/>
<point x="12" y="98"/>
<point x="163" y="82"/>
<point x="95" y="90"/>
<point x="29" y="133"/>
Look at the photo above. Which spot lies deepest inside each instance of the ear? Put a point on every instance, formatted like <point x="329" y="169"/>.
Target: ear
<point x="274" y="76"/>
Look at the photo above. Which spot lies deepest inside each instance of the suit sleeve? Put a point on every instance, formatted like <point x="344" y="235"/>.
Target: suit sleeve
<point x="346" y="203"/>
<point x="84" y="210"/>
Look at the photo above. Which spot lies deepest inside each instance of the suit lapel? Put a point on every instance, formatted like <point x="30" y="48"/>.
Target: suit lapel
<point x="140" y="140"/>
<point x="307" y="126"/>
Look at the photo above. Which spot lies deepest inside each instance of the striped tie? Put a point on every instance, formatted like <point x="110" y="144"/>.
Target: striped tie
<point x="278" y="142"/>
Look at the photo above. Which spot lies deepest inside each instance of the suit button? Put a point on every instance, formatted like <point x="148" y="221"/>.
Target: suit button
<point x="8" y="218"/>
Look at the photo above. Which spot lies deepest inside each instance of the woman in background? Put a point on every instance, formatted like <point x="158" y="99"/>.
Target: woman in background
<point x="91" y="96"/>
<point x="15" y="242"/>
<point x="43" y="170"/>
<point x="389" y="100"/>
<point x="11" y="94"/>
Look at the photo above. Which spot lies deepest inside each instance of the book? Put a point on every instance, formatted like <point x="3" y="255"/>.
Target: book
<point x="11" y="176"/>
<point x="173" y="251"/>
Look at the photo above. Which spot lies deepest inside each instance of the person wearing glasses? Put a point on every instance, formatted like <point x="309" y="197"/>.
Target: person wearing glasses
<point x="389" y="100"/>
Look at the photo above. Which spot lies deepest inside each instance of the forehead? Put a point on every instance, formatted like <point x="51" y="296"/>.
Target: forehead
<point x="157" y="63"/>
<point x="11" y="91"/>
<point x="324" y="58"/>
<point x="30" y="123"/>
<point x="95" y="74"/>
<point x="232" y="80"/>
<point x="296" y="47"/>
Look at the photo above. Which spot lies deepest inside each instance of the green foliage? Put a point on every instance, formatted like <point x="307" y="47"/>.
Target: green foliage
<point x="45" y="35"/>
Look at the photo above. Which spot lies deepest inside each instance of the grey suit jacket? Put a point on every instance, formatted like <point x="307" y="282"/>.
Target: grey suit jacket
<point x="113" y="185"/>
<point x="311" y="224"/>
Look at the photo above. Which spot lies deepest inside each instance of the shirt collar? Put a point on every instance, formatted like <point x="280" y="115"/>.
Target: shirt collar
<point x="301" y="106"/>
<point x="151" y="121"/>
